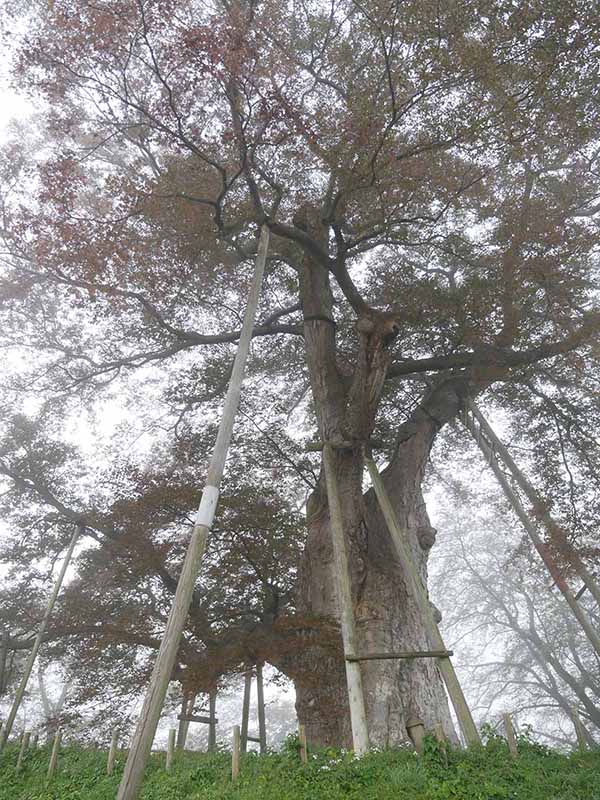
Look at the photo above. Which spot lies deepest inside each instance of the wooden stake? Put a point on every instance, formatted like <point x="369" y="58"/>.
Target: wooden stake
<point x="510" y="735"/>
<point x="438" y="732"/>
<point x="37" y="642"/>
<point x="212" y="725"/>
<point x="165" y="660"/>
<point x="170" y="749"/>
<point x="112" y="753"/>
<point x="187" y="706"/>
<point x="54" y="756"/>
<point x="260" y="695"/>
<point x="35" y="741"/>
<point x="417" y="591"/>
<point x="416" y="731"/>
<point x="303" y="744"/>
<point x="235" y="754"/>
<point x="246" y="709"/>
<point x="531" y="529"/>
<point x="358" y="715"/>
<point x="24" y="745"/>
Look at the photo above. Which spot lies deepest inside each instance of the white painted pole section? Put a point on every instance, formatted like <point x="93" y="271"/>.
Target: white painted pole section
<point x="356" y="698"/>
<point x="37" y="642"/>
<point x="163" y="668"/>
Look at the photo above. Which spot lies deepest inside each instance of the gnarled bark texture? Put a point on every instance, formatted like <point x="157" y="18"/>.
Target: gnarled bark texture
<point x="386" y="618"/>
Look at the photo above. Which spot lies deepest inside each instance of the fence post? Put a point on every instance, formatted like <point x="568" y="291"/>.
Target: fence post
<point x="24" y="745"/>
<point x="112" y="753"/>
<point x="246" y="709"/>
<point x="170" y="749"/>
<point x="35" y="740"/>
<point x="212" y="726"/>
<point x="235" y="754"/>
<point x="54" y="756"/>
<point x="303" y="744"/>
<point x="260" y="698"/>
<point x="510" y="735"/>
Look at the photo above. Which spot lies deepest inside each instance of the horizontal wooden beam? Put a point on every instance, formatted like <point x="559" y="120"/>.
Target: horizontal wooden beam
<point x="253" y="739"/>
<point x="196" y="718"/>
<point x="403" y="654"/>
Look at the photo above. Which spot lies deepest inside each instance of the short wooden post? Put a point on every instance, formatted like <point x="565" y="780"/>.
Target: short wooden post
<point x="235" y="754"/>
<point x="187" y="707"/>
<point x="246" y="709"/>
<point x="212" y="725"/>
<point x="35" y="741"/>
<point x="509" y="732"/>
<point x="24" y="745"/>
<point x="416" y="731"/>
<point x="143" y="737"/>
<point x="419" y="595"/>
<point x="54" y="756"/>
<point x="260" y="697"/>
<point x="112" y="752"/>
<point x="170" y="749"/>
<point x="356" y="698"/>
<point x="303" y="744"/>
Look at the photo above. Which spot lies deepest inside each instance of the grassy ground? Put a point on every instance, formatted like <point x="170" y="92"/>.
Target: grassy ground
<point x="486" y="773"/>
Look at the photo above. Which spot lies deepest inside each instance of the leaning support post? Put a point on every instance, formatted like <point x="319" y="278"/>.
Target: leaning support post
<point x="22" y="750"/>
<point x="54" y="756"/>
<point x="163" y="668"/>
<point x="246" y="710"/>
<point x="38" y="641"/>
<point x="416" y="731"/>
<point x="512" y="497"/>
<point x="358" y="715"/>
<point x="170" y="749"/>
<point x="417" y="590"/>
<point x="260" y="698"/>
<point x="303" y="744"/>
<point x="536" y="501"/>
<point x="187" y="706"/>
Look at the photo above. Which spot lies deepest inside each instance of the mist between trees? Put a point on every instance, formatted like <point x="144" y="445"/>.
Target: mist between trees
<point x="429" y="176"/>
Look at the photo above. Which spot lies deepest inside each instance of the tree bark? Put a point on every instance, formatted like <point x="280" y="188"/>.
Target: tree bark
<point x="386" y="617"/>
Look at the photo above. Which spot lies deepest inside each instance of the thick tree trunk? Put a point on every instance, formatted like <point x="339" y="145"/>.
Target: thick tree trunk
<point x="386" y="618"/>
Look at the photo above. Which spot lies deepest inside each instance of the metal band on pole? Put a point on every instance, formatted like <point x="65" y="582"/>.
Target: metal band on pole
<point x="165" y="660"/>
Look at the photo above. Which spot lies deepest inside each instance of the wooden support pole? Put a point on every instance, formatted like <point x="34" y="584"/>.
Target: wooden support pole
<point x="112" y="752"/>
<point x="539" y="507"/>
<point x="418" y="593"/>
<point x="187" y="706"/>
<point x="438" y="732"/>
<point x="54" y="756"/>
<point x="303" y="744"/>
<point x="22" y="750"/>
<point x="212" y="725"/>
<point x="509" y="732"/>
<point x="38" y="641"/>
<point x="198" y="718"/>
<point x="416" y="731"/>
<point x="246" y="709"/>
<point x="3" y="661"/>
<point x="358" y="715"/>
<point x="260" y="699"/>
<point x="401" y="654"/>
<point x="165" y="661"/>
<point x="35" y="741"/>
<point x="235" y="754"/>
<point x="170" y="749"/>
<point x="515" y="502"/>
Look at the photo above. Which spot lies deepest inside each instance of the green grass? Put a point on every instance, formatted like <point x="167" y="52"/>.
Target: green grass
<point x="485" y="773"/>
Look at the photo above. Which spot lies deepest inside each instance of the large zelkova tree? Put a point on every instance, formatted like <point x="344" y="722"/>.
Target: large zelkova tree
<point x="428" y="173"/>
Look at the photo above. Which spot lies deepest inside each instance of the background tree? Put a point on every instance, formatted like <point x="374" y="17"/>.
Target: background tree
<point x="429" y="178"/>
